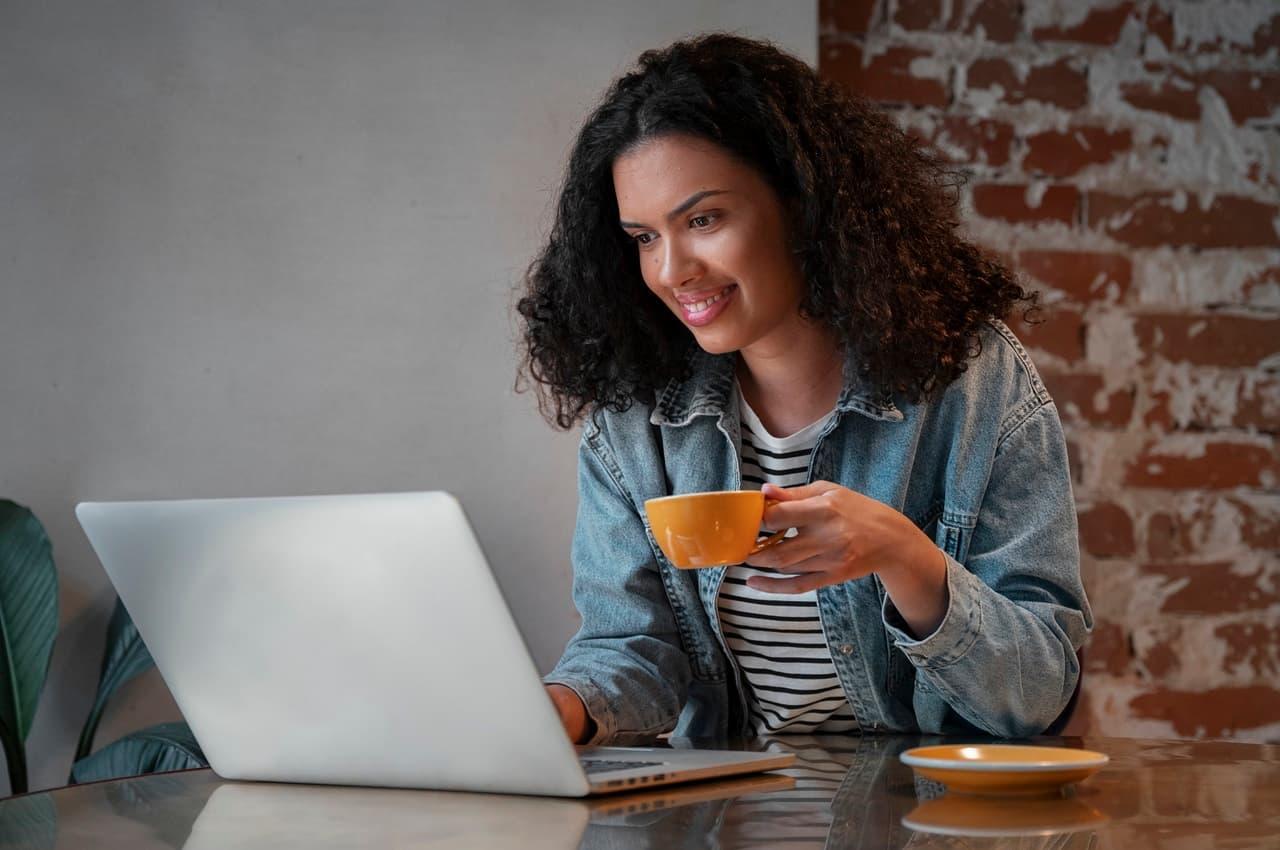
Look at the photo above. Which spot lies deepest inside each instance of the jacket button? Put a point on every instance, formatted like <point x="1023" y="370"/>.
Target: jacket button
<point x="846" y="648"/>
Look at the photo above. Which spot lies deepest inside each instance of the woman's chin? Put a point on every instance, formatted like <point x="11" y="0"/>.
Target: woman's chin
<point x="715" y="343"/>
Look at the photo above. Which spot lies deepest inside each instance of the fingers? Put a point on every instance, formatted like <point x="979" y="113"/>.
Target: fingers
<point x="791" y="494"/>
<point x="801" y="506"/>
<point x="787" y="553"/>
<point x="794" y="584"/>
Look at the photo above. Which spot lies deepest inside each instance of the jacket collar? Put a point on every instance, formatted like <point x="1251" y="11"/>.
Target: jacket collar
<point x="708" y="390"/>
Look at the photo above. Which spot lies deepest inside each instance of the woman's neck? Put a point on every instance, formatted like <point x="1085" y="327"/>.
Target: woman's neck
<point x="790" y="386"/>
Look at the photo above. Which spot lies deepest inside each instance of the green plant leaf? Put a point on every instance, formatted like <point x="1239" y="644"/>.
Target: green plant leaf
<point x="167" y="746"/>
<point x="124" y="657"/>
<point x="28" y="626"/>
<point x="28" y="823"/>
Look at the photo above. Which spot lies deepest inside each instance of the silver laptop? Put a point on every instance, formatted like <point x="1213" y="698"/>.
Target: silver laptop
<point x="355" y="640"/>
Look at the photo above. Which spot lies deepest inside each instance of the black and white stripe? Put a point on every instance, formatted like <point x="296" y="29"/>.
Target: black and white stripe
<point x="777" y="639"/>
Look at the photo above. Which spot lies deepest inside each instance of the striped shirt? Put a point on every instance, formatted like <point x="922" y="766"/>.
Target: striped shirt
<point x="777" y="638"/>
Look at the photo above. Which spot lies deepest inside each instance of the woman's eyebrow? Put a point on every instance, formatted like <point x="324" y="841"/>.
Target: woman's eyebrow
<point x="688" y="204"/>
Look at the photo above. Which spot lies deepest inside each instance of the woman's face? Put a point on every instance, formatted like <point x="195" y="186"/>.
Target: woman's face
<point x="711" y="238"/>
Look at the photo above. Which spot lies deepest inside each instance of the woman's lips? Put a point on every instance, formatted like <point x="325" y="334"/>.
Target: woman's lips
<point x="711" y="307"/>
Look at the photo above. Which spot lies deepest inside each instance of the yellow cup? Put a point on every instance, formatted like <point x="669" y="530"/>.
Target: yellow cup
<point x="709" y="529"/>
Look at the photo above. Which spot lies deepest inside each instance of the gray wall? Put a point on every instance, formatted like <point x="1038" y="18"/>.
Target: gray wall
<point x="269" y="248"/>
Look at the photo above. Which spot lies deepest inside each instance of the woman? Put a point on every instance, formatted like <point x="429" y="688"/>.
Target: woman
<point x="754" y="279"/>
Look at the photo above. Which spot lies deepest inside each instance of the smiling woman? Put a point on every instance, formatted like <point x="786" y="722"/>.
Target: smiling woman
<point x="720" y="250"/>
<point x="754" y="280"/>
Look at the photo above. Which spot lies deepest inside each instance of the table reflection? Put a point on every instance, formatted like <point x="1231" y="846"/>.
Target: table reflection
<point x="856" y="793"/>
<point x="842" y="792"/>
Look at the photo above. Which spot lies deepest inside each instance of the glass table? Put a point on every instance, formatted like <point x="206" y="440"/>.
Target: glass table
<point x="843" y="792"/>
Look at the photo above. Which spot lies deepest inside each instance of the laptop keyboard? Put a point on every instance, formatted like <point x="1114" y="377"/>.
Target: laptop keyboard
<point x="601" y="765"/>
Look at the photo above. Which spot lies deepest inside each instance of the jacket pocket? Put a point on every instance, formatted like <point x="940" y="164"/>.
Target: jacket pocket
<point x="954" y="533"/>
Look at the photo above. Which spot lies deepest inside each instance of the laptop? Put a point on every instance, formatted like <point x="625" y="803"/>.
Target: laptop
<point x="355" y="640"/>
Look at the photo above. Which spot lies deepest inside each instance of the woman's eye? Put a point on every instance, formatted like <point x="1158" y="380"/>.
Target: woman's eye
<point x="701" y="220"/>
<point x="643" y="238"/>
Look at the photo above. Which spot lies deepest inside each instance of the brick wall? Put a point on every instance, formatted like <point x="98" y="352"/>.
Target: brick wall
<point x="1125" y="158"/>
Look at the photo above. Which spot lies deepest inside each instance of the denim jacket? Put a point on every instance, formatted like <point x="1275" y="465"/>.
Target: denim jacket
<point x="980" y="467"/>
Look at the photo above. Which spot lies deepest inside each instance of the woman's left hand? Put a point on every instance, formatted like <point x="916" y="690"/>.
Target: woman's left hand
<point x="843" y="536"/>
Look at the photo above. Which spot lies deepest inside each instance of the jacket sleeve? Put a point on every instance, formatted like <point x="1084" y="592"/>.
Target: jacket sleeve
<point x="1004" y="656"/>
<point x="626" y="660"/>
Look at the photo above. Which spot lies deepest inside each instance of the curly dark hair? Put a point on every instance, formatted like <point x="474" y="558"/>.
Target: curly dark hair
<point x="875" y="231"/>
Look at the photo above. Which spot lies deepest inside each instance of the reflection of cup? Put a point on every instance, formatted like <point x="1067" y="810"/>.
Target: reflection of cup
<point x="990" y="817"/>
<point x="709" y="529"/>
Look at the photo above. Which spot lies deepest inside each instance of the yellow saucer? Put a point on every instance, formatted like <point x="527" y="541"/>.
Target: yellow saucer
<point x="989" y="817"/>
<point x="1003" y="768"/>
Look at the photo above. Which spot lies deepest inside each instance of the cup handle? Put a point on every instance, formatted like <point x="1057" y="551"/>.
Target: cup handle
<point x="773" y="539"/>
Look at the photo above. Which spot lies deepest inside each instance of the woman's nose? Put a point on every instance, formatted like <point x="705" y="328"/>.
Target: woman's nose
<point x="676" y="265"/>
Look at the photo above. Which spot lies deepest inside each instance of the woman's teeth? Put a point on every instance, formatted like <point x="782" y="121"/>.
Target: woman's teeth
<point x="699" y="306"/>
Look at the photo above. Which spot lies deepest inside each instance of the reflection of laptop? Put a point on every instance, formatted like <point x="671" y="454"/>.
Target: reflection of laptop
<point x="283" y="817"/>
<point x="355" y="640"/>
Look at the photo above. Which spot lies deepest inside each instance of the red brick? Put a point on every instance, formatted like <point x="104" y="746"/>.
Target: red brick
<point x="1081" y="275"/>
<point x="1218" y="713"/>
<point x="1266" y="37"/>
<point x="852" y="17"/>
<point x="1159" y="658"/>
<point x="918" y="14"/>
<point x="1213" y="588"/>
<point x="1079" y="399"/>
<point x="1222" y="465"/>
<point x="1058" y="331"/>
<point x="1100" y="26"/>
<point x="980" y="141"/>
<point x="1060" y="83"/>
<point x="1063" y="154"/>
<point x="1153" y="219"/>
<point x="1000" y="20"/>
<point x="1009" y="203"/>
<point x="1171" y="536"/>
<point x="1249" y="94"/>
<point x="1174" y="94"/>
<point x="1106" y="531"/>
<point x="1259" y="527"/>
<point x="1109" y="649"/>
<point x="1210" y="339"/>
<point x="1257" y="406"/>
<point x="887" y="79"/>
<point x="1256" y="645"/>
<point x="1168" y="536"/>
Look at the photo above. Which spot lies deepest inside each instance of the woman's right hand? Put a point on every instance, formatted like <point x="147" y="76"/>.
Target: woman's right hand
<point x="573" y="714"/>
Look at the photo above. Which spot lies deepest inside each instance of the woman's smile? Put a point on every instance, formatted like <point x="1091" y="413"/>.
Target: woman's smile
<point x="700" y="309"/>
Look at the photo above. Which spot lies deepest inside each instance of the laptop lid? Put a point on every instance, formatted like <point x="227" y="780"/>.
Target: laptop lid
<point x="336" y="639"/>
